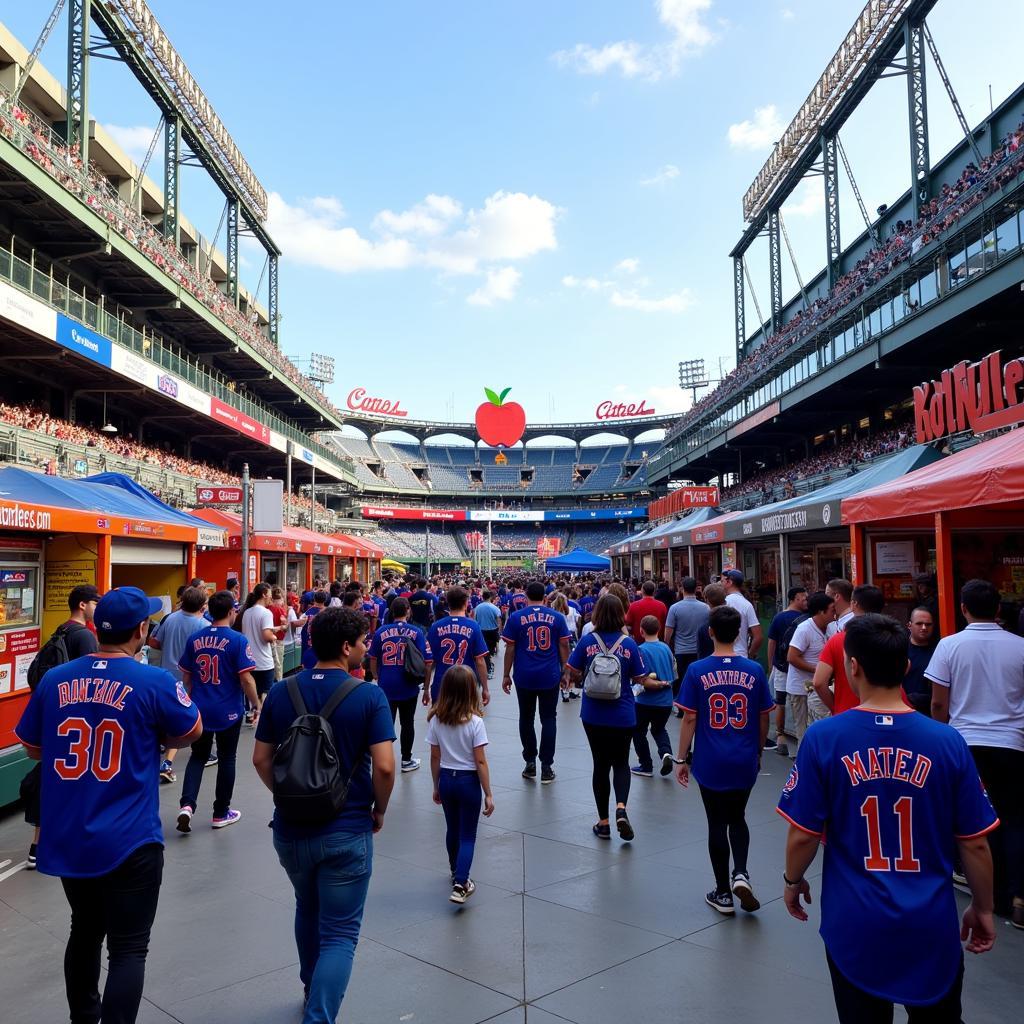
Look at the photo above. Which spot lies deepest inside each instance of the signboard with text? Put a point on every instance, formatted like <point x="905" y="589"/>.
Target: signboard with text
<point x="548" y="547"/>
<point x="607" y="410"/>
<point x="452" y="515"/>
<point x="359" y="401"/>
<point x="216" y="495"/>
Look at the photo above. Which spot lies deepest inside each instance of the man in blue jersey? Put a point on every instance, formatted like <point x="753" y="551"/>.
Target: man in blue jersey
<point x="897" y="794"/>
<point x="455" y="640"/>
<point x="488" y="617"/>
<point x="422" y="605"/>
<point x="216" y="668"/>
<point x="536" y="650"/>
<point x="726" y="702"/>
<point x="387" y="663"/>
<point x="96" y="724"/>
<point x="587" y="602"/>
<point x="518" y="600"/>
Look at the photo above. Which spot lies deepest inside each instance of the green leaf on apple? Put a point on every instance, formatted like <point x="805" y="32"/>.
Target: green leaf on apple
<point x="492" y="396"/>
<point x="501" y="397"/>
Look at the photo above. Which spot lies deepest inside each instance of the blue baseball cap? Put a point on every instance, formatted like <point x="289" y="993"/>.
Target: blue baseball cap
<point x="124" y="608"/>
<point x="733" y="574"/>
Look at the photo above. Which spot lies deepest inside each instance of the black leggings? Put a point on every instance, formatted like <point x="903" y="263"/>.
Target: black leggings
<point x="119" y="906"/>
<point x="406" y="710"/>
<point x="609" y="746"/>
<point x="726" y="828"/>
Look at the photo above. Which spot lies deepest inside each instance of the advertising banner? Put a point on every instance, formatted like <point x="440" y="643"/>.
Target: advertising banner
<point x="683" y="498"/>
<point x="83" y="340"/>
<point x="548" y="547"/>
<point x="245" y="425"/>
<point x="215" y="495"/>
<point x="452" y="515"/>
<point x="27" y="312"/>
<point x="506" y="516"/>
<point x="595" y="514"/>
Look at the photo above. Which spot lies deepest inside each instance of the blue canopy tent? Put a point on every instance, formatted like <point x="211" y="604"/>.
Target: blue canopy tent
<point x="578" y="560"/>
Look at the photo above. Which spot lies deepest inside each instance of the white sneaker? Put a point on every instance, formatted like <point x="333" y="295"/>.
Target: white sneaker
<point x="744" y="893"/>
<point x="184" y="825"/>
<point x="461" y="893"/>
<point x="411" y="765"/>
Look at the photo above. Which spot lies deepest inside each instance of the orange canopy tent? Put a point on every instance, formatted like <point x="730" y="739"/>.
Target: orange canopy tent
<point x="976" y="489"/>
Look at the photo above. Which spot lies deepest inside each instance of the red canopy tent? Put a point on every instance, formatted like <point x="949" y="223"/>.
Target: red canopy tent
<point x="977" y="489"/>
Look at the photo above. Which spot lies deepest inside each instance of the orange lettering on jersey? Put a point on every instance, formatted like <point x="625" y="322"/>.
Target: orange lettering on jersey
<point x="922" y="766"/>
<point x="99" y="695"/>
<point x="119" y="703"/>
<point x="64" y="694"/>
<point x="874" y="764"/>
<point x="886" y="753"/>
<point x="854" y="766"/>
<point x="899" y="768"/>
<point x="113" y="690"/>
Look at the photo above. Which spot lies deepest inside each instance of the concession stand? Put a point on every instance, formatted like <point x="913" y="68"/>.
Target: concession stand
<point x="961" y="518"/>
<point x="56" y="534"/>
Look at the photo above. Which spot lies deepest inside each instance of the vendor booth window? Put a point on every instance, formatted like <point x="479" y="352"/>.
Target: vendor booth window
<point x="19" y="596"/>
<point x="272" y="570"/>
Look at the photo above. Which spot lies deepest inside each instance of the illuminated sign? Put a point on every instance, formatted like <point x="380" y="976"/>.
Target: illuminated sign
<point x="429" y="514"/>
<point x="360" y="402"/>
<point x="219" y="495"/>
<point x="977" y="396"/>
<point x="622" y="410"/>
<point x="548" y="547"/>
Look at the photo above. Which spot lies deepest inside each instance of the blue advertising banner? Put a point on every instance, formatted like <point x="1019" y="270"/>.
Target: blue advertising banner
<point x="86" y="342"/>
<point x="594" y="514"/>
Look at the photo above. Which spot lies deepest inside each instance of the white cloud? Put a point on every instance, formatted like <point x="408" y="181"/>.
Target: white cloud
<point x="760" y="133"/>
<point x="435" y="233"/>
<point x="501" y="286"/>
<point x="430" y="218"/>
<point x="590" y="284"/>
<point x="689" y="34"/>
<point x="628" y="266"/>
<point x="787" y="14"/>
<point x="135" y="140"/>
<point x="807" y="201"/>
<point x="662" y="176"/>
<point x="677" y="302"/>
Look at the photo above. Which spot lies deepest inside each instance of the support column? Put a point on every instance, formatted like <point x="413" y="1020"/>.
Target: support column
<point x="944" y="574"/>
<point x="917" y="108"/>
<point x="103" y="562"/>
<point x="858" y="555"/>
<point x="172" y="164"/>
<point x="77" y="131"/>
<point x="775" y="269"/>
<point x="232" y="251"/>
<point x="830" y="173"/>
<point x="272" y="298"/>
<point x="738" y="299"/>
<point x="783" y="587"/>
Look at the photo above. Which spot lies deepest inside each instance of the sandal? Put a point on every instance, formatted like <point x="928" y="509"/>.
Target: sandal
<point x="622" y="824"/>
<point x="603" y="831"/>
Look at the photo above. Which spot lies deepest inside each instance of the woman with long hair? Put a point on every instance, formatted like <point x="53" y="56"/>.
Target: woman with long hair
<point x="256" y="622"/>
<point x="609" y="721"/>
<point x="458" y="764"/>
<point x="572" y="618"/>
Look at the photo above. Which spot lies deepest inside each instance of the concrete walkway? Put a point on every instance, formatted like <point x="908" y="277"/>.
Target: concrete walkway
<point x="563" y="927"/>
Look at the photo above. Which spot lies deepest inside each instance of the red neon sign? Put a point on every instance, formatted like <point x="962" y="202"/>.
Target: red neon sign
<point x="358" y="401"/>
<point x="622" y="410"/>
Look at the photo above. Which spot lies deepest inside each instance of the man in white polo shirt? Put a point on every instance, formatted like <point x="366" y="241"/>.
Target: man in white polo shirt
<point x="978" y="677"/>
<point x="841" y="591"/>
<point x="804" y="653"/>
<point x="748" y="642"/>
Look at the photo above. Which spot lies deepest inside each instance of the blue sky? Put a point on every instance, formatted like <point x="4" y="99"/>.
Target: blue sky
<point x="539" y="195"/>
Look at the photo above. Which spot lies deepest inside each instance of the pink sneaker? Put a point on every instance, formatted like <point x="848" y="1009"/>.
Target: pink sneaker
<point x="185" y="819"/>
<point x="229" y="819"/>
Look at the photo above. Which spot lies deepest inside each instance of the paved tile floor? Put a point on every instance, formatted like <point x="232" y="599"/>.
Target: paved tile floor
<point x="562" y="927"/>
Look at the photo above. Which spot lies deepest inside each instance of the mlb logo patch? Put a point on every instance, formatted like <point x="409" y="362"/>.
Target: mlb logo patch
<point x="883" y="719"/>
<point x="99" y="664"/>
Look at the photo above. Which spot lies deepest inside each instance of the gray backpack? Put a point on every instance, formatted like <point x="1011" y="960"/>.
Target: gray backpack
<point x="604" y="676"/>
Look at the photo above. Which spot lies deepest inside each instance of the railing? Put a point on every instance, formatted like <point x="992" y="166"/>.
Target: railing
<point x="110" y="321"/>
<point x="49" y="151"/>
<point x="57" y="457"/>
<point x="937" y="271"/>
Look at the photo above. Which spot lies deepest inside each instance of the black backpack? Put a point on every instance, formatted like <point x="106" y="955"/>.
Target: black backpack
<point x="53" y="653"/>
<point x="782" y="648"/>
<point x="413" y="663"/>
<point x="309" y="785"/>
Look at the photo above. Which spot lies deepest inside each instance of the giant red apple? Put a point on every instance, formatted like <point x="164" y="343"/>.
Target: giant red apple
<point x="498" y="422"/>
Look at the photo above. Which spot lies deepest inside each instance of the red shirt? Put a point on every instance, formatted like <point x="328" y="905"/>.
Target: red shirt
<point x="293" y="599"/>
<point x="637" y="611"/>
<point x="832" y="655"/>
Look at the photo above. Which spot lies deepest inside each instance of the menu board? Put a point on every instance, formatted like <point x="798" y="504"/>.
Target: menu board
<point x="60" y="578"/>
<point x="894" y="558"/>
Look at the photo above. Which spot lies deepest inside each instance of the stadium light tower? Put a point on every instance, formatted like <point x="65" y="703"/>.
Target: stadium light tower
<point x="692" y="376"/>
<point x="321" y="369"/>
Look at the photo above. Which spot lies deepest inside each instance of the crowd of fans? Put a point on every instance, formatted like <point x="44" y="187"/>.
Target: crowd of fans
<point x="831" y="462"/>
<point x="972" y="187"/>
<point x="39" y="142"/>
<point x="160" y="457"/>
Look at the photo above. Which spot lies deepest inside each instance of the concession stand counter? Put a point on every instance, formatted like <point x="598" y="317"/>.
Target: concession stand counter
<point x="961" y="518"/>
<point x="56" y="534"/>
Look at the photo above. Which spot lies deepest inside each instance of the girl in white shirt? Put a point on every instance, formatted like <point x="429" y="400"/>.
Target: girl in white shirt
<point x="458" y="764"/>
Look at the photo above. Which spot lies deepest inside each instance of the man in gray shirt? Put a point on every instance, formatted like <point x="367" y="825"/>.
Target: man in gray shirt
<point x="685" y="619"/>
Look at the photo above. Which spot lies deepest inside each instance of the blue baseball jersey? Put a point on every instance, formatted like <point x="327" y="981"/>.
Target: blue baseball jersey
<point x="892" y="791"/>
<point x="369" y="609"/>
<point x="311" y="613"/>
<point x="536" y="633"/>
<point x="456" y="640"/>
<point x="728" y="695"/>
<point x="98" y="722"/>
<point x="587" y="602"/>
<point x="388" y="647"/>
<point x="622" y="712"/>
<point x="214" y="658"/>
<point x="517" y="601"/>
<point x="382" y="609"/>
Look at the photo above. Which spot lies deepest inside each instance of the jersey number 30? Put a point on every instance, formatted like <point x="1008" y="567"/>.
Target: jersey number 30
<point x="97" y="749"/>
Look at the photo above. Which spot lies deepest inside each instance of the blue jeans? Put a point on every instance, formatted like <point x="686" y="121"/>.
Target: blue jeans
<point x="461" y="798"/>
<point x="330" y="875"/>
